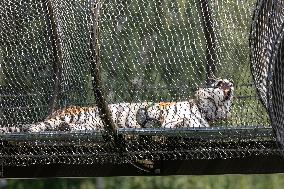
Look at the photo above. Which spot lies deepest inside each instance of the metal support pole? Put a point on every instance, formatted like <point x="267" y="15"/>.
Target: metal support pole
<point x="96" y="71"/>
<point x="210" y="38"/>
<point x="57" y="52"/>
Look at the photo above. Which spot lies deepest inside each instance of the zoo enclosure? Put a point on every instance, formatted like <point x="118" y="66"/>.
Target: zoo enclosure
<point x="56" y="53"/>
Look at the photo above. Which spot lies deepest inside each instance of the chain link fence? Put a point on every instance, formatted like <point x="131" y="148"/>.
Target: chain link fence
<point x="266" y="56"/>
<point x="56" y="54"/>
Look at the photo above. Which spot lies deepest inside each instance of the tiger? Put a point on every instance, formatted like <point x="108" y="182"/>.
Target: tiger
<point x="211" y="103"/>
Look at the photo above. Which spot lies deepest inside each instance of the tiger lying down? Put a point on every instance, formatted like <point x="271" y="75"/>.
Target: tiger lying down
<point x="210" y="104"/>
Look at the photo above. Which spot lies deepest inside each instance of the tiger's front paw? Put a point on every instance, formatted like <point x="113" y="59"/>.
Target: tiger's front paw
<point x="64" y="127"/>
<point x="152" y="123"/>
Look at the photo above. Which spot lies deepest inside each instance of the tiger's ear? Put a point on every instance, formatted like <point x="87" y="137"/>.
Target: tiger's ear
<point x="230" y="80"/>
<point x="211" y="81"/>
<point x="197" y="93"/>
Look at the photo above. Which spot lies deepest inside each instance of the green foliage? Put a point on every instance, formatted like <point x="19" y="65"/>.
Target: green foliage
<point x="198" y="182"/>
<point x="150" y="44"/>
<point x="274" y="181"/>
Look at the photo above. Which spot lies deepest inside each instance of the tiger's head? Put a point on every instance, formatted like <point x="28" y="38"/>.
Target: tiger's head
<point x="215" y="100"/>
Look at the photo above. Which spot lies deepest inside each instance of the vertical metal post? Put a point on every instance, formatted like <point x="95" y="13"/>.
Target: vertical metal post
<point x="57" y="52"/>
<point x="210" y="38"/>
<point x="97" y="85"/>
<point x="1" y="81"/>
<point x="96" y="70"/>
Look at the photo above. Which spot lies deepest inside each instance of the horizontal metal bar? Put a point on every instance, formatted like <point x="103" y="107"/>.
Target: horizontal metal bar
<point x="224" y="133"/>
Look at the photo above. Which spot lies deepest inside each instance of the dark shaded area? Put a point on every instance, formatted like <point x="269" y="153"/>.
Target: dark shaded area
<point x="267" y="66"/>
<point x="276" y="92"/>
<point x="85" y="156"/>
<point x="250" y="165"/>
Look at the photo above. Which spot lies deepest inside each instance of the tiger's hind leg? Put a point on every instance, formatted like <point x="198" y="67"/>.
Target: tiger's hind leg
<point x="34" y="128"/>
<point x="63" y="126"/>
<point x="12" y="129"/>
<point x="46" y="126"/>
<point x="83" y="127"/>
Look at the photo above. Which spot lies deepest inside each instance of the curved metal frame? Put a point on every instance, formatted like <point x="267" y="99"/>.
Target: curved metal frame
<point x="57" y="52"/>
<point x="111" y="132"/>
<point x="274" y="116"/>
<point x="96" y="70"/>
<point x="208" y="29"/>
<point x="267" y="10"/>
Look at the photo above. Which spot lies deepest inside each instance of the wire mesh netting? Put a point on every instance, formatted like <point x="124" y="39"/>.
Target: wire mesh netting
<point x="266" y="46"/>
<point x="166" y="79"/>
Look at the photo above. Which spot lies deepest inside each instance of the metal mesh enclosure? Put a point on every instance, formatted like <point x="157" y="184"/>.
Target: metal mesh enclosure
<point x="148" y="62"/>
<point x="42" y="60"/>
<point x="266" y="46"/>
<point x="276" y="108"/>
<point x="172" y="49"/>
